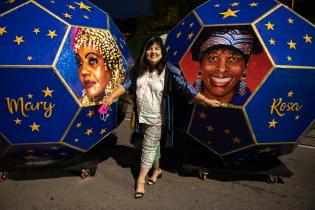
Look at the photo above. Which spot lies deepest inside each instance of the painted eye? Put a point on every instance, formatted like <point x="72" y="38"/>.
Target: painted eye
<point x="212" y="58"/>
<point x="93" y="61"/>
<point x="234" y="59"/>
<point x="79" y="62"/>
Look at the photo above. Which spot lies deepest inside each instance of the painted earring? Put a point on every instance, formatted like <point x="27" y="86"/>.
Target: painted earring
<point x="198" y="85"/>
<point x="242" y="88"/>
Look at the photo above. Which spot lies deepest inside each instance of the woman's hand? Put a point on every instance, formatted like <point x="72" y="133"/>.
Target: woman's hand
<point x="212" y="102"/>
<point x="107" y="101"/>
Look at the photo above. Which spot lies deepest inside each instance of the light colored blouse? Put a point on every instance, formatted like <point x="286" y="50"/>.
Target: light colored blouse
<point x="149" y="93"/>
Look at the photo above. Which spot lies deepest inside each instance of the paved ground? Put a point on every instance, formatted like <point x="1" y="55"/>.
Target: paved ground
<point x="112" y="186"/>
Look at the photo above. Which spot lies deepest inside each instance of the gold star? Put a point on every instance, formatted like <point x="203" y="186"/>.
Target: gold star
<point x="71" y="7"/>
<point x="270" y="26"/>
<point x="253" y="4"/>
<point x="178" y="34"/>
<point x="175" y="53"/>
<point x="308" y="39"/>
<point x="297" y="117"/>
<point x="10" y="1"/>
<point x="191" y="25"/>
<point x="17" y="121"/>
<point x="78" y="125"/>
<point x="91" y="113"/>
<point x="47" y="92"/>
<point x="216" y="5"/>
<point x="83" y="6"/>
<point x="18" y="40"/>
<point x="168" y="48"/>
<point x="229" y="13"/>
<point x="36" y="30"/>
<point x="29" y="58"/>
<point x="236" y="140"/>
<point x="190" y="36"/>
<point x="290" y="93"/>
<point x="86" y="17"/>
<point x="67" y="15"/>
<point x="202" y="115"/>
<point x="292" y="44"/>
<point x="289" y="58"/>
<point x="89" y="131"/>
<point x="227" y="131"/>
<point x="29" y="96"/>
<point x="272" y="42"/>
<point x="34" y="127"/>
<point x="76" y="140"/>
<point x="234" y="4"/>
<point x="52" y="34"/>
<point x="290" y="21"/>
<point x="2" y="30"/>
<point x="272" y="124"/>
<point x="210" y="128"/>
<point x="103" y="131"/>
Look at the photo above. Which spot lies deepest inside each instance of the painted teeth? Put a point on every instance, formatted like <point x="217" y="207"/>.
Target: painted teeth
<point x="223" y="80"/>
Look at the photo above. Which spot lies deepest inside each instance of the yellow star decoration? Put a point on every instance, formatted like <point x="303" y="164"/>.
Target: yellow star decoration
<point x="83" y="6"/>
<point x="308" y="39"/>
<point x="270" y="26"/>
<point x="191" y="24"/>
<point x="71" y="7"/>
<point x="290" y="21"/>
<point x="17" y="121"/>
<point x="10" y="1"/>
<point x="2" y="30"/>
<point x="18" y="40"/>
<point x="216" y="5"/>
<point x="52" y="34"/>
<point x="290" y="93"/>
<point x="86" y="17"/>
<point x="272" y="41"/>
<point x="289" y="58"/>
<point x="91" y="113"/>
<point x="168" y="48"/>
<point x="103" y="131"/>
<point x="89" y="131"/>
<point x="47" y="92"/>
<point x="253" y="4"/>
<point x="36" y="30"/>
<point x="76" y="140"/>
<point x="229" y="13"/>
<point x="190" y="36"/>
<point x="34" y="127"/>
<point x="235" y="4"/>
<point x="227" y="131"/>
<point x="175" y="53"/>
<point x="272" y="124"/>
<point x="292" y="44"/>
<point x="178" y="34"/>
<point x="67" y="15"/>
<point x="29" y="96"/>
<point x="202" y="115"/>
<point x="236" y="140"/>
<point x="29" y="58"/>
<point x="78" y="125"/>
<point x="210" y="128"/>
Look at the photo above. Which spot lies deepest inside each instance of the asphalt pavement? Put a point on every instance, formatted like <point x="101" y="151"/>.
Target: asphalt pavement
<point x="112" y="187"/>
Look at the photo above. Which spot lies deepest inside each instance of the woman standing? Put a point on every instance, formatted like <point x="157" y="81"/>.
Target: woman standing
<point x="153" y="81"/>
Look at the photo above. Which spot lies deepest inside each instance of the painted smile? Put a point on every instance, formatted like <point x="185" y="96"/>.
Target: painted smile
<point x="89" y="83"/>
<point x="220" y="81"/>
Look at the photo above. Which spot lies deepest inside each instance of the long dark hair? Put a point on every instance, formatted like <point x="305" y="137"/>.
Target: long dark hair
<point x="142" y="65"/>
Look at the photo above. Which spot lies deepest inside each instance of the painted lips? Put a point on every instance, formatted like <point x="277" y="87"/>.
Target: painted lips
<point x="219" y="82"/>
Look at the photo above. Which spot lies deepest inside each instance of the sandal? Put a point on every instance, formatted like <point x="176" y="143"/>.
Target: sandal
<point x="139" y="195"/>
<point x="151" y="181"/>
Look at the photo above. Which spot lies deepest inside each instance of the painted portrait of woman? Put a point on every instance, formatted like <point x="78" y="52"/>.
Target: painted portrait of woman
<point x="99" y="62"/>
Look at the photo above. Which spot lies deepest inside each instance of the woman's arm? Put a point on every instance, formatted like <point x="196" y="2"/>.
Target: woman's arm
<point x="199" y="98"/>
<point x="120" y="90"/>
